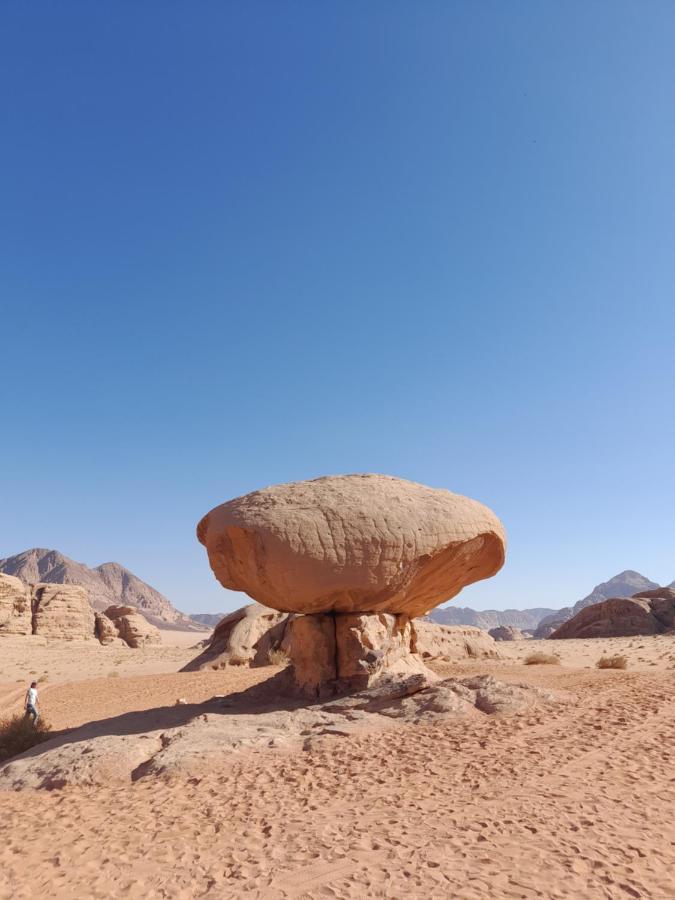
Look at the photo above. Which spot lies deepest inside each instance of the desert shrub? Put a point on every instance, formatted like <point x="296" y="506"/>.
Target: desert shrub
<point x="113" y="674"/>
<point x="278" y="657"/>
<point x="542" y="659"/>
<point x="18" y="734"/>
<point x="612" y="662"/>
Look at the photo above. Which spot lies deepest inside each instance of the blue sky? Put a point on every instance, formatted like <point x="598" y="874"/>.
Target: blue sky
<point x="248" y="243"/>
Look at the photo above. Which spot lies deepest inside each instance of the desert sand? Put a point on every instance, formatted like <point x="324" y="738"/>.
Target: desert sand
<point x="576" y="800"/>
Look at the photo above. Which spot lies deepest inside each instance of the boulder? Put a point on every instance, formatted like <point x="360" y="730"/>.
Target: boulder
<point x="648" y="612"/>
<point x="104" y="629"/>
<point x="132" y="627"/>
<point x="506" y="633"/>
<point x="244" y="637"/>
<point x="453" y="642"/>
<point x="662" y="605"/>
<point x="352" y="544"/>
<point x="62" y="611"/>
<point x="15" y="606"/>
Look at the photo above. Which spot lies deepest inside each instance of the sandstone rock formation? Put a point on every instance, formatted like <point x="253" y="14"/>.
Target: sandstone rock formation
<point x="132" y="627"/>
<point x="62" y="611"/>
<point x="15" y="606"/>
<point x="352" y="543"/>
<point x="105" y="630"/>
<point x="506" y="633"/>
<point x="250" y="634"/>
<point x="648" y="612"/>
<point x="452" y="643"/>
<point x="355" y="557"/>
<point x="337" y="652"/>
<point x="244" y="637"/>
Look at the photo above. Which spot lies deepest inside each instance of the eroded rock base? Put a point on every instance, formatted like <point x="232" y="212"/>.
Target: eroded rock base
<point x="194" y="739"/>
<point x="338" y="653"/>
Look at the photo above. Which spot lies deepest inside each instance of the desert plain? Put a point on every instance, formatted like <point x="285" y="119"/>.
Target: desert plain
<point x="573" y="799"/>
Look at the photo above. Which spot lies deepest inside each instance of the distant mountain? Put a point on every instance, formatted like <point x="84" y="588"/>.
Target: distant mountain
<point x="527" y="619"/>
<point x="208" y="619"/>
<point x="106" y="585"/>
<point x="625" y="584"/>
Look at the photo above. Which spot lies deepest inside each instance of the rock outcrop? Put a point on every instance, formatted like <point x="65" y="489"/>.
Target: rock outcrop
<point x="506" y="633"/>
<point x="244" y="637"/>
<point x="334" y="653"/>
<point x="448" y="642"/>
<point x="132" y="627"/>
<point x="62" y="611"/>
<point x="647" y="612"/>
<point x="15" y="606"/>
<point x="249" y="635"/>
<point x="105" y="630"/>
<point x="352" y="543"/>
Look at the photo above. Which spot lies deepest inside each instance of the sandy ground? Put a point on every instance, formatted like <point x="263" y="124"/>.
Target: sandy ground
<point x="576" y="801"/>
<point x="25" y="658"/>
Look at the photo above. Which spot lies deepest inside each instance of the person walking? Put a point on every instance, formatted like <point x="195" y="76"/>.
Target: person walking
<point x="31" y="702"/>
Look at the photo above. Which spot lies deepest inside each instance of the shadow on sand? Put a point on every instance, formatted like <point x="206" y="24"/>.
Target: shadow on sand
<point x="269" y="696"/>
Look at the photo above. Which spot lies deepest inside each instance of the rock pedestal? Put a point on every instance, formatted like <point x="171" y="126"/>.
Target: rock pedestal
<point x="335" y="653"/>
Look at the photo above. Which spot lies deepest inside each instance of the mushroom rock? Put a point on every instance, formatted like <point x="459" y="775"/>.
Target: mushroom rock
<point x="356" y="557"/>
<point x="352" y="543"/>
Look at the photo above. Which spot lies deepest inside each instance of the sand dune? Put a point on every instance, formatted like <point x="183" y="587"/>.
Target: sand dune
<point x="572" y="801"/>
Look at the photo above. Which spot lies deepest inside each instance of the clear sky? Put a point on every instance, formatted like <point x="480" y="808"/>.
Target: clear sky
<point x="255" y="242"/>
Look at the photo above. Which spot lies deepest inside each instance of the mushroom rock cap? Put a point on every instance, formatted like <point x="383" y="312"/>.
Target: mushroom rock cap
<point x="352" y="543"/>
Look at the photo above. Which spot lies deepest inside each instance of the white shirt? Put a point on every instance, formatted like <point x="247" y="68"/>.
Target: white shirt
<point x="31" y="697"/>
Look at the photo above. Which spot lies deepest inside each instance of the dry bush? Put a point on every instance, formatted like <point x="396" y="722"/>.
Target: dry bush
<point x="113" y="674"/>
<point x="541" y="659"/>
<point x="612" y="662"/>
<point x="18" y="734"/>
<point x="278" y="657"/>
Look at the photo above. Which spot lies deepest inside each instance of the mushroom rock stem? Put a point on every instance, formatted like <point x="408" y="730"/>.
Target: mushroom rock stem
<point x="334" y="653"/>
